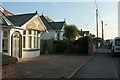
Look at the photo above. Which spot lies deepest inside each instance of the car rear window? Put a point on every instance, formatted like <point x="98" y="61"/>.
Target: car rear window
<point x="117" y="42"/>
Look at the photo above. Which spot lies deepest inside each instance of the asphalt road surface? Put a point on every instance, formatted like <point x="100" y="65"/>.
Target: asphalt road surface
<point x="101" y="65"/>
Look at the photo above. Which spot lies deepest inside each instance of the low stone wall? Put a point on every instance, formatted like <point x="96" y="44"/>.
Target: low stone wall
<point x="8" y="66"/>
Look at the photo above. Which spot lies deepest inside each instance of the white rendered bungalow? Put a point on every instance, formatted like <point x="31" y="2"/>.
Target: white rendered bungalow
<point x="20" y="35"/>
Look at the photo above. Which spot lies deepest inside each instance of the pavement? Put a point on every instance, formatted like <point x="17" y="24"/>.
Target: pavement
<point x="101" y="65"/>
<point x="50" y="66"/>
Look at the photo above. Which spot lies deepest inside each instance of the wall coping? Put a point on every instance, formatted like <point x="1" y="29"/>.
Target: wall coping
<point x="6" y="60"/>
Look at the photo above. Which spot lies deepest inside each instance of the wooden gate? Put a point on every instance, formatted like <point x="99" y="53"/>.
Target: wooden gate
<point x="47" y="46"/>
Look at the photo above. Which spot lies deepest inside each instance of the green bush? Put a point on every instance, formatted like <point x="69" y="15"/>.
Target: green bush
<point x="79" y="46"/>
<point x="61" y="46"/>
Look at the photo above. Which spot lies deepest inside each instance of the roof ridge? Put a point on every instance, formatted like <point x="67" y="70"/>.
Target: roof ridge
<point x="58" y="22"/>
<point x="48" y="22"/>
<point x="22" y="14"/>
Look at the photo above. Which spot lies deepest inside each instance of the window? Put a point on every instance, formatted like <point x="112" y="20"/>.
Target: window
<point x="30" y="41"/>
<point x="24" y="32"/>
<point x="35" y="32"/>
<point x="117" y="42"/>
<point x="29" y="31"/>
<point x="35" y="42"/>
<point x="24" y="37"/>
<point x="35" y="39"/>
<point x="24" y="42"/>
<point x="58" y="36"/>
<point x="5" y="42"/>
<point x="31" y="37"/>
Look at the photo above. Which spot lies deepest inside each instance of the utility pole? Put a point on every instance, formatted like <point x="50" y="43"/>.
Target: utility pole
<point x="102" y="31"/>
<point x="97" y="45"/>
<point x="97" y="22"/>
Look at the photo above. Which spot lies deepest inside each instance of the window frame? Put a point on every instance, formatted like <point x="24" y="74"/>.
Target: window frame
<point x="5" y="44"/>
<point x="32" y="39"/>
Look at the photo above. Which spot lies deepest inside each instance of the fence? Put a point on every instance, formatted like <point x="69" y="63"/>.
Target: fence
<point x="47" y="46"/>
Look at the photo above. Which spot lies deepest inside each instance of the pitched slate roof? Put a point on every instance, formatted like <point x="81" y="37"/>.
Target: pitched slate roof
<point x="19" y="20"/>
<point x="48" y="19"/>
<point x="82" y="33"/>
<point x="2" y="21"/>
<point x="52" y="25"/>
<point x="46" y="23"/>
<point x="58" y="25"/>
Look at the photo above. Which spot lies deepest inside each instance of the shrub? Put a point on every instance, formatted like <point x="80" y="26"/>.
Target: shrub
<point x="61" y="46"/>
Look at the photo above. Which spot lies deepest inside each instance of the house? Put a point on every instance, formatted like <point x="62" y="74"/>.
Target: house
<point x="84" y="33"/>
<point x="55" y="29"/>
<point x="20" y="35"/>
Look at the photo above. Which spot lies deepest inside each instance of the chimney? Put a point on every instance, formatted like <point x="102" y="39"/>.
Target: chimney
<point x="36" y="12"/>
<point x="42" y="13"/>
<point x="81" y="29"/>
<point x="64" y="20"/>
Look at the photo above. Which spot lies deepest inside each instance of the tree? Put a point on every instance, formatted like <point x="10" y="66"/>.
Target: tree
<point x="71" y="31"/>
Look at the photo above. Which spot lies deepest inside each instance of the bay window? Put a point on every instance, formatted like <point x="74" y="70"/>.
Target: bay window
<point x="31" y="37"/>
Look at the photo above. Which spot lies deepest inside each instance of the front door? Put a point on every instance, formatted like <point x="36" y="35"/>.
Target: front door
<point x="16" y="45"/>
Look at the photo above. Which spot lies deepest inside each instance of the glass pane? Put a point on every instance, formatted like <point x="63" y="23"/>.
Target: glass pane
<point x="23" y="41"/>
<point x="34" y="32"/>
<point x="29" y="31"/>
<point x="5" y="45"/>
<point x="30" y="41"/>
<point x="117" y="42"/>
<point x="58" y="36"/>
<point x="38" y="32"/>
<point x="35" y="42"/>
<point x="24" y="32"/>
<point x="4" y="34"/>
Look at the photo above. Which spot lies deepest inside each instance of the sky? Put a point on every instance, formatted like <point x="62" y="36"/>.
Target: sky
<point x="82" y="14"/>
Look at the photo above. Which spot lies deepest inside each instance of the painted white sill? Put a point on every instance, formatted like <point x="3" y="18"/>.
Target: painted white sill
<point x="31" y="49"/>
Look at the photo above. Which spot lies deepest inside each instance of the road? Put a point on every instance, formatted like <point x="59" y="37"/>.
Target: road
<point x="101" y="65"/>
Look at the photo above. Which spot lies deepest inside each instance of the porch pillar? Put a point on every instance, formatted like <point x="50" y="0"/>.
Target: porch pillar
<point x="9" y="43"/>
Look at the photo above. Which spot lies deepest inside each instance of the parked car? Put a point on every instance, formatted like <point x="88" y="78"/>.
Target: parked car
<point x="107" y="42"/>
<point x="115" y="47"/>
<point x="110" y="44"/>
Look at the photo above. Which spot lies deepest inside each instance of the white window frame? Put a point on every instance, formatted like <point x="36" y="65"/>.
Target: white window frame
<point x="34" y="43"/>
<point x="5" y="38"/>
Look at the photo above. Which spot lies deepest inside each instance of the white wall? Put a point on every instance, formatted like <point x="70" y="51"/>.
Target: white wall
<point x="49" y="35"/>
<point x="30" y="54"/>
<point x="9" y="44"/>
<point x="52" y="35"/>
<point x="61" y="35"/>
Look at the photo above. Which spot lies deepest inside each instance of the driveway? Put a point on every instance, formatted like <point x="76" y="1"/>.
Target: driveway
<point x="50" y="66"/>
